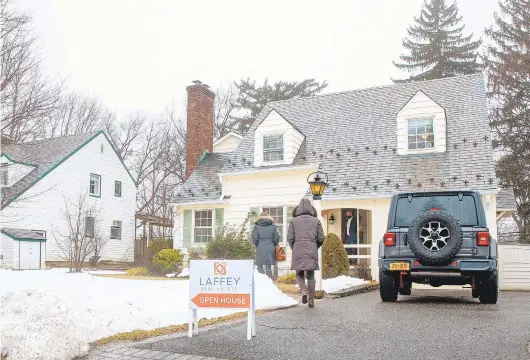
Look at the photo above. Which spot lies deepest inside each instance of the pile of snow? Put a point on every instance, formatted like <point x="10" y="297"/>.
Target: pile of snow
<point x="184" y="273"/>
<point x="51" y="314"/>
<point x="340" y="283"/>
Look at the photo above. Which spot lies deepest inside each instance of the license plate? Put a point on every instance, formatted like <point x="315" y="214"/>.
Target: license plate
<point x="399" y="266"/>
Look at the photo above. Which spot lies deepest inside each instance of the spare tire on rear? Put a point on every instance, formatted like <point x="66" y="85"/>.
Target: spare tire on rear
<point x="435" y="238"/>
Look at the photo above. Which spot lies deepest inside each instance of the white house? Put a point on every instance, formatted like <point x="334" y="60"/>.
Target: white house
<point x="372" y="143"/>
<point x="39" y="178"/>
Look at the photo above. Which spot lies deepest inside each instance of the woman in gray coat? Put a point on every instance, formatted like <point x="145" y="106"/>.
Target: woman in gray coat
<point x="305" y="236"/>
<point x="265" y="237"/>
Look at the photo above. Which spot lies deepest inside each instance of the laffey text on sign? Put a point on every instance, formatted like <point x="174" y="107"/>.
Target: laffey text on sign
<point x="219" y="283"/>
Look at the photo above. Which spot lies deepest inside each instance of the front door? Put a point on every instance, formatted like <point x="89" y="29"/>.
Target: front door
<point x="29" y="255"/>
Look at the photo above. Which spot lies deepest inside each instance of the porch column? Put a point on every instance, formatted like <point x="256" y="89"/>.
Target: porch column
<point x="318" y="273"/>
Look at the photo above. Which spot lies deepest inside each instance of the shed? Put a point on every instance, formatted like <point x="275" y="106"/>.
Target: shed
<point x="22" y="249"/>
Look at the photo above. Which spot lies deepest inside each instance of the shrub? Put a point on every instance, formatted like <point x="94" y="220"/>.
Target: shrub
<point x="196" y="254"/>
<point x="137" y="271"/>
<point x="287" y="279"/>
<point x="334" y="257"/>
<point x="155" y="246"/>
<point x="231" y="243"/>
<point x="168" y="261"/>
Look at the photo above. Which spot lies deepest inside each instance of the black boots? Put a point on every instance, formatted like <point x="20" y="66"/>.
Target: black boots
<point x="311" y="284"/>
<point x="301" y="284"/>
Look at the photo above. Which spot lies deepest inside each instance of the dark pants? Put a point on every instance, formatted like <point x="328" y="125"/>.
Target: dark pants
<point x="265" y="269"/>
<point x="309" y="274"/>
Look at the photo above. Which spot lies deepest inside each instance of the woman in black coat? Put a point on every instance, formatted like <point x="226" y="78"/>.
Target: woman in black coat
<point x="265" y="237"/>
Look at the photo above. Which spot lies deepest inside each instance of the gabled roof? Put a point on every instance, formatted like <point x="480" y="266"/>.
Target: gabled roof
<point x="22" y="234"/>
<point x="218" y="141"/>
<point x="44" y="156"/>
<point x="203" y="184"/>
<point x="352" y="137"/>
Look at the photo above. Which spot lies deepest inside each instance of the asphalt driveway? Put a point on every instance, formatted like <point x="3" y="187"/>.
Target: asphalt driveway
<point x="430" y="324"/>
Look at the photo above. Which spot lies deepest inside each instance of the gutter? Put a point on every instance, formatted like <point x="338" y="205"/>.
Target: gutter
<point x="265" y="170"/>
<point x="205" y="202"/>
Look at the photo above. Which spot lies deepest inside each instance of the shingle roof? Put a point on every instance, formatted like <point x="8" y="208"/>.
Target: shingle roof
<point x="45" y="155"/>
<point x="352" y="136"/>
<point x="506" y="200"/>
<point x="22" y="234"/>
<point x="203" y="184"/>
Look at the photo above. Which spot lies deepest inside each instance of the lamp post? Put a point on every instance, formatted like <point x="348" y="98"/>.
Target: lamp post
<point x="317" y="182"/>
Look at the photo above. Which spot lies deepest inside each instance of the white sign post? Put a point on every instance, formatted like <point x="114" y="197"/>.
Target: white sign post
<point x="222" y="284"/>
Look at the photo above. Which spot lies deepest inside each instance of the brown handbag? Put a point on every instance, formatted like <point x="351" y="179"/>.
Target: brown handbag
<point x="280" y="253"/>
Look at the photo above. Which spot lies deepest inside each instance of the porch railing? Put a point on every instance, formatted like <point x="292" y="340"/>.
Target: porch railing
<point x="359" y="246"/>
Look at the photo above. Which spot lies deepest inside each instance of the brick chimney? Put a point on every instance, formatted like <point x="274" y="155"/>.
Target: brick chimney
<point x="199" y="136"/>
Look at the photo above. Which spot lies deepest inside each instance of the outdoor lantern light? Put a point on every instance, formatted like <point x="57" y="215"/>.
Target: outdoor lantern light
<point x="331" y="219"/>
<point x="317" y="181"/>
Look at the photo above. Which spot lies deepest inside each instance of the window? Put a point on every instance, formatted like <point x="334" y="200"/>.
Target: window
<point x="277" y="214"/>
<point x="95" y="185"/>
<point x="421" y="134"/>
<point x="4" y="175"/>
<point x="115" y="230"/>
<point x="117" y="188"/>
<point x="465" y="211"/>
<point x="89" y="226"/>
<point x="203" y="226"/>
<point x="273" y="148"/>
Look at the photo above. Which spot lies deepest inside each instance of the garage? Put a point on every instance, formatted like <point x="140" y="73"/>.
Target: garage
<point x="22" y="249"/>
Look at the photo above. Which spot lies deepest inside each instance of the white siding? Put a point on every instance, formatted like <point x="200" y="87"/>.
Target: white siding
<point x="421" y="106"/>
<point x="42" y="206"/>
<point x="8" y="252"/>
<point x="514" y="267"/>
<point x="253" y="190"/>
<point x="227" y="144"/>
<point x="275" y="124"/>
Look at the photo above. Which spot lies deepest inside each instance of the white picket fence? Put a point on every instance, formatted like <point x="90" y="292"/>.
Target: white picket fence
<point x="514" y="267"/>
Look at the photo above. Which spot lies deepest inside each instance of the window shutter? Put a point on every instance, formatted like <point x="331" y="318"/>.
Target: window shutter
<point x="187" y="229"/>
<point x="254" y="213"/>
<point x="219" y="220"/>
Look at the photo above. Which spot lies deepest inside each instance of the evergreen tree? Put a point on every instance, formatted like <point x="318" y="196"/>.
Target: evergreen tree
<point x="436" y="46"/>
<point x="252" y="98"/>
<point x="508" y="69"/>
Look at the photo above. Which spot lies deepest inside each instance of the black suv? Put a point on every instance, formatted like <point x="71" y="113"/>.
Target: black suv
<point x="438" y="238"/>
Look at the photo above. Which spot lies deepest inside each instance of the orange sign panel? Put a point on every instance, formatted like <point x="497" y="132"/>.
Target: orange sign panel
<point x="231" y="301"/>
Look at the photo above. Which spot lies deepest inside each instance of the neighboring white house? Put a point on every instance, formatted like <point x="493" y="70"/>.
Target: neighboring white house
<point x="372" y="143"/>
<point x="37" y="180"/>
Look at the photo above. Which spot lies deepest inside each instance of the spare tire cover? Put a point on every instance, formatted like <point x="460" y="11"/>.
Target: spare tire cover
<point x="435" y="238"/>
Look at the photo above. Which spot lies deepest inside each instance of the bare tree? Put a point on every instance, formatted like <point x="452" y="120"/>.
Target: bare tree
<point x="225" y="107"/>
<point x="82" y="236"/>
<point x="126" y="134"/>
<point x="26" y="96"/>
<point x="75" y="113"/>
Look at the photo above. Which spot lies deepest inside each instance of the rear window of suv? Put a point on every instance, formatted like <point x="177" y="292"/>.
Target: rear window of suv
<point x="465" y="211"/>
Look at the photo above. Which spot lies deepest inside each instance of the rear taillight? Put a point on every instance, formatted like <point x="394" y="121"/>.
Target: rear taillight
<point x="389" y="239"/>
<point x="483" y="238"/>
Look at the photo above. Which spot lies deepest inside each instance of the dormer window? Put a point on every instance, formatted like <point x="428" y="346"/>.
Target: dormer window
<point x="421" y="134"/>
<point x="273" y="148"/>
<point x="421" y="127"/>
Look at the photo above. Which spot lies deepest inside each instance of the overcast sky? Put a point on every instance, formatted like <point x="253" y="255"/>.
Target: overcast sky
<point x="140" y="55"/>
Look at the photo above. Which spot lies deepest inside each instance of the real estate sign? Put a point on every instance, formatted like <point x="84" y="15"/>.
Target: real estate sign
<point x="222" y="284"/>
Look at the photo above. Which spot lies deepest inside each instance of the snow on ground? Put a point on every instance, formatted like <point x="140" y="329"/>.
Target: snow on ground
<point x="341" y="283"/>
<point x="54" y="315"/>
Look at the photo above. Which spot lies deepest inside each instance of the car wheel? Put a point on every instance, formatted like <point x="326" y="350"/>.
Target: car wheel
<point x="435" y="238"/>
<point x="388" y="288"/>
<point x="489" y="289"/>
